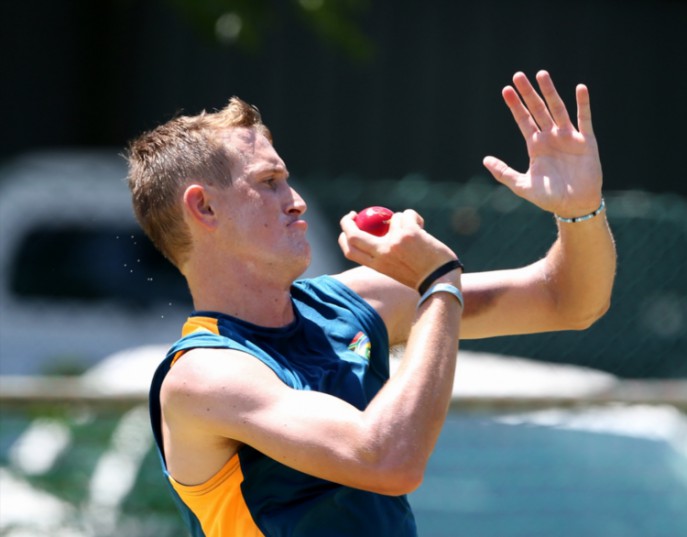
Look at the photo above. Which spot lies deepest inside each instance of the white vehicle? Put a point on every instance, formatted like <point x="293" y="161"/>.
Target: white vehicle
<point x="78" y="279"/>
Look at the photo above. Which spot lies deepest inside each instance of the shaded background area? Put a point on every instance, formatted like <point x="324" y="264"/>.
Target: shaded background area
<point x="371" y="102"/>
<point x="380" y="87"/>
<point x="391" y="102"/>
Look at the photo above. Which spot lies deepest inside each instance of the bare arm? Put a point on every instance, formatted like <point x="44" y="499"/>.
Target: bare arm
<point x="217" y="404"/>
<point x="564" y="178"/>
<point x="571" y="287"/>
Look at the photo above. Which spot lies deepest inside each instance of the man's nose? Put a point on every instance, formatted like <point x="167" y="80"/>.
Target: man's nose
<point x="298" y="204"/>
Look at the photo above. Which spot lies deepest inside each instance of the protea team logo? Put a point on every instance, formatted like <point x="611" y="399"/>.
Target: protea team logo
<point x="361" y="345"/>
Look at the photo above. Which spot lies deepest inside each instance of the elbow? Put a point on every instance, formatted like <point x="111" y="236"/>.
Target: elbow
<point x="396" y="476"/>
<point x="393" y="460"/>
<point x="582" y="320"/>
<point x="397" y="482"/>
<point x="409" y="479"/>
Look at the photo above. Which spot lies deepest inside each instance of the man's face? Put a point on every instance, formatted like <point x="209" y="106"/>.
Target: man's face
<point x="262" y="214"/>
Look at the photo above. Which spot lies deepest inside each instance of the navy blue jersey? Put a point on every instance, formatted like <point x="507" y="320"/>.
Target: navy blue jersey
<point x="337" y="345"/>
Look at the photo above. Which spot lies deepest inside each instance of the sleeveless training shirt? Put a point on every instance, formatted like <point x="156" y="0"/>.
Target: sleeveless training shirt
<point x="338" y="345"/>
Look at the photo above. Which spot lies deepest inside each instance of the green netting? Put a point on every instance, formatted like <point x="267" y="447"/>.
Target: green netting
<point x="645" y="332"/>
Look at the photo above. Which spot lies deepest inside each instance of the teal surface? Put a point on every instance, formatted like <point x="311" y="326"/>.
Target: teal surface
<point x="491" y="479"/>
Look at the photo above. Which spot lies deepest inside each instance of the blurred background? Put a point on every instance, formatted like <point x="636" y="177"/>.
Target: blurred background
<point x="370" y="102"/>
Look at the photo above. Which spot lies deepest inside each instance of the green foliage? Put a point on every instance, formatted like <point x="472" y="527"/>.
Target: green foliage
<point x="246" y="24"/>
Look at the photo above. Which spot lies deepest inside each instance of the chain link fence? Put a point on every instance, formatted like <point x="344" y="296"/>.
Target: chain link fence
<point x="643" y="335"/>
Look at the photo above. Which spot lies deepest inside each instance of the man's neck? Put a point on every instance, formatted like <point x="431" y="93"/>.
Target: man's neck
<point x="242" y="293"/>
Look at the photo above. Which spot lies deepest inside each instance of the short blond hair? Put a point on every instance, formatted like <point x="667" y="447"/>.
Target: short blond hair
<point x="163" y="161"/>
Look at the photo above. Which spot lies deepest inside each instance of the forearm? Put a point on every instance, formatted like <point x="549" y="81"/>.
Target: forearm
<point x="411" y="408"/>
<point x="396" y="433"/>
<point x="580" y="270"/>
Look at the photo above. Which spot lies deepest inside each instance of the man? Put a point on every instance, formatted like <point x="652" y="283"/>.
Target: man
<point x="274" y="413"/>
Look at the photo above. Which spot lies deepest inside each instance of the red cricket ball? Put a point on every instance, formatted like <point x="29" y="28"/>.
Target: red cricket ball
<point x="374" y="220"/>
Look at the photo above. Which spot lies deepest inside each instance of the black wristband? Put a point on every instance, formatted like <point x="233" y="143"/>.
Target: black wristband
<point x="438" y="273"/>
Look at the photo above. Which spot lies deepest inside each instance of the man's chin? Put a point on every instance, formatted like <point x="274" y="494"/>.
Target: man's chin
<point x="306" y="264"/>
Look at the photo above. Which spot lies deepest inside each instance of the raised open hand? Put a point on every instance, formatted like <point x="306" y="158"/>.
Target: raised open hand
<point x="564" y="175"/>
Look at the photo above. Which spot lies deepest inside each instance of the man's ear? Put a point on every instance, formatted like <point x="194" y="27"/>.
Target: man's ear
<point x="198" y="207"/>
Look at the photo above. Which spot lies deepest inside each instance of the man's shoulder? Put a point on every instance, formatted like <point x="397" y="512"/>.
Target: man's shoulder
<point x="394" y="302"/>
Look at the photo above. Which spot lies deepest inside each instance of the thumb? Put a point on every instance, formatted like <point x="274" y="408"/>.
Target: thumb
<point x="501" y="171"/>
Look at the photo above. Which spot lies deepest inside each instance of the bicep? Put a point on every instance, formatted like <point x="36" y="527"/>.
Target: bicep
<point x="243" y="400"/>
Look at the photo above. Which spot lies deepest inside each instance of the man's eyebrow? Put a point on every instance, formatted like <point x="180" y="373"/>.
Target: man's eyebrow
<point x="271" y="168"/>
